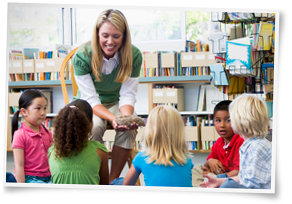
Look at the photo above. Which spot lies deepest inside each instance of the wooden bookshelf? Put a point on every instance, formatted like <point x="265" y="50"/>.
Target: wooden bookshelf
<point x="156" y="80"/>
<point x="176" y="79"/>
<point x="45" y="83"/>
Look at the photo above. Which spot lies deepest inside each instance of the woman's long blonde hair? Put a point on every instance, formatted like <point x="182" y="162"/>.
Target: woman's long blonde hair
<point x="125" y="52"/>
<point x="164" y="137"/>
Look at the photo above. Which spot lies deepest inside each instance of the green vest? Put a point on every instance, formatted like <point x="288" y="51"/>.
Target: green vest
<point x="81" y="169"/>
<point x="107" y="88"/>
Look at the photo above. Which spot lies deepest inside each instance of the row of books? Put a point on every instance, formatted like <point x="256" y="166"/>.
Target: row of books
<point x="13" y="98"/>
<point x="207" y="135"/>
<point x="38" y="53"/>
<point x="35" y="70"/>
<point x="263" y="36"/>
<point x="176" y="63"/>
<point x="35" y="76"/>
<point x="30" y="64"/>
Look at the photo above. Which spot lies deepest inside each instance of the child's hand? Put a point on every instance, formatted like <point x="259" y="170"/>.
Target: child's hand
<point x="211" y="182"/>
<point x="216" y="166"/>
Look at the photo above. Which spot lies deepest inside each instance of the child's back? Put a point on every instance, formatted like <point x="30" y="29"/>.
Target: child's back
<point x="249" y="116"/>
<point x="81" y="169"/>
<point x="256" y="163"/>
<point x="161" y="175"/>
<point x="73" y="159"/>
<point x="165" y="161"/>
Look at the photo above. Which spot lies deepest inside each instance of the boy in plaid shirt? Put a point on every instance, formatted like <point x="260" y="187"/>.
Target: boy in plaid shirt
<point x="249" y="118"/>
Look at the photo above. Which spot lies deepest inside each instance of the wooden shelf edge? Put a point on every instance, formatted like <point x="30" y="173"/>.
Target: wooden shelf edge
<point x="177" y="79"/>
<point x="161" y="79"/>
<point x="45" y="83"/>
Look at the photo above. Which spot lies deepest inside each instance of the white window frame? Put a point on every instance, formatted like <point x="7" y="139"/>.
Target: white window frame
<point x="67" y="25"/>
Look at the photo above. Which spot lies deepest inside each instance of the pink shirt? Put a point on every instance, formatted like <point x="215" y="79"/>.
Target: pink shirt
<point x="35" y="146"/>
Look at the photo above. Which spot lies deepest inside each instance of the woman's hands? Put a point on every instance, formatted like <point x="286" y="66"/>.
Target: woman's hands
<point x="116" y="126"/>
<point x="125" y="110"/>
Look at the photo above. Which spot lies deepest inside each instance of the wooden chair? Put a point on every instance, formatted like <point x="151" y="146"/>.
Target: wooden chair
<point x="108" y="137"/>
<point x="64" y="72"/>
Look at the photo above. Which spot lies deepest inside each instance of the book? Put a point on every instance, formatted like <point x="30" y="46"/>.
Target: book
<point x="265" y="36"/>
<point x="219" y="74"/>
<point x="238" y="56"/>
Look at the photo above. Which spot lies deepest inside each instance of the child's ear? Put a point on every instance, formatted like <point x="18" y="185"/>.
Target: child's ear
<point x="23" y="111"/>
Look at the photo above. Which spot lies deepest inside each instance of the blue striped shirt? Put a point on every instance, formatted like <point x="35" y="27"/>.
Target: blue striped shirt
<point x="255" y="163"/>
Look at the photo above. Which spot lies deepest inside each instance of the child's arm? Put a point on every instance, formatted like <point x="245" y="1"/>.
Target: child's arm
<point x="212" y="182"/>
<point x="232" y="173"/>
<point x="19" y="165"/>
<point x="103" y="172"/>
<point x="215" y="166"/>
<point x="131" y="177"/>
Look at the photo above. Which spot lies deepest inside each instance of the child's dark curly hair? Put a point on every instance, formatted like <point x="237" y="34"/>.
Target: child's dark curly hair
<point x="71" y="128"/>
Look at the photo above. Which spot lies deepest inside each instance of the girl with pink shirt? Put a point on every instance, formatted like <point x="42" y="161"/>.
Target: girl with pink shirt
<point x="30" y="142"/>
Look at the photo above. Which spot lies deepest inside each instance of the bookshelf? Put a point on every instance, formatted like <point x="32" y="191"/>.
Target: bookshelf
<point x="176" y="79"/>
<point x="150" y="81"/>
<point x="255" y="32"/>
<point x="163" y="79"/>
<point x="31" y="84"/>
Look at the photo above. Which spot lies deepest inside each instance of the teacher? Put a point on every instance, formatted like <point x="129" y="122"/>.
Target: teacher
<point x="107" y="74"/>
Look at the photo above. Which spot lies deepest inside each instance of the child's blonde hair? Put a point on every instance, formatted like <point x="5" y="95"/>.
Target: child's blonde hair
<point x="249" y="116"/>
<point x="164" y="136"/>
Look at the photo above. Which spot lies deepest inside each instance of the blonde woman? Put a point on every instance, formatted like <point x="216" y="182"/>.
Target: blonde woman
<point x="249" y="118"/>
<point x="106" y="71"/>
<point x="165" y="161"/>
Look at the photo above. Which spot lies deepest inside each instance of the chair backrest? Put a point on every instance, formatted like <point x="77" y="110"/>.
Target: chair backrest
<point x="63" y="73"/>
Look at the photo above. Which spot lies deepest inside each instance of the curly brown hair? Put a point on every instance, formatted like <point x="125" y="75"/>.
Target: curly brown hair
<point x="71" y="128"/>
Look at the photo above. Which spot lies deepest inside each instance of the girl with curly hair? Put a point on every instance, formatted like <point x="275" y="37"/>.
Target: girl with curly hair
<point x="72" y="158"/>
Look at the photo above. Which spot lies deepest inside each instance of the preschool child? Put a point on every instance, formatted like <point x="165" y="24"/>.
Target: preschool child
<point x="165" y="161"/>
<point x="249" y="118"/>
<point x="72" y="158"/>
<point x="224" y="157"/>
<point x="32" y="140"/>
<point x="223" y="161"/>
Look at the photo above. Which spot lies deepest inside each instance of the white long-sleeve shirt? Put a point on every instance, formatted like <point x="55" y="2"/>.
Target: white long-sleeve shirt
<point x="127" y="92"/>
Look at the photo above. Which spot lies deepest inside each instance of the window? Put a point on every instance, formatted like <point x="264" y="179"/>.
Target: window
<point x="84" y="20"/>
<point x="197" y="25"/>
<point x="34" y="26"/>
<point x="145" y="24"/>
<point x="44" y="26"/>
<point x="154" y="24"/>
